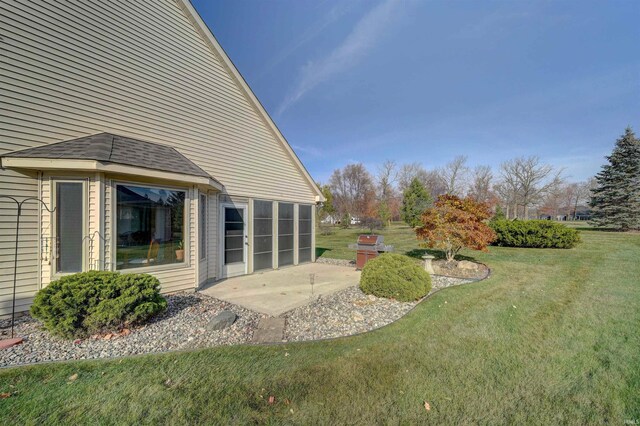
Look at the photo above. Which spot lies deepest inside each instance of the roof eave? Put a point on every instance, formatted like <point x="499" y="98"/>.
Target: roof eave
<point x="98" y="166"/>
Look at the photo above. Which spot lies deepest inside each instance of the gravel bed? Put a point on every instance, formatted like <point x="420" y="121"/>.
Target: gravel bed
<point x="350" y="311"/>
<point x="181" y="326"/>
<point x="337" y="262"/>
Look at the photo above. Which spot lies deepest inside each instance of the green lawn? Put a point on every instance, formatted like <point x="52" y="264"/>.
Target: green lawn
<point x="552" y="337"/>
<point x="400" y="236"/>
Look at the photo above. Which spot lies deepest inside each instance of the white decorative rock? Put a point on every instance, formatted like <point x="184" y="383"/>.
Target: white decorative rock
<point x="465" y="264"/>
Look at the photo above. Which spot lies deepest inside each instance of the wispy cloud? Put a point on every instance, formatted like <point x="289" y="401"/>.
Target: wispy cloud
<point x="314" y="30"/>
<point x="312" y="151"/>
<point x="354" y="47"/>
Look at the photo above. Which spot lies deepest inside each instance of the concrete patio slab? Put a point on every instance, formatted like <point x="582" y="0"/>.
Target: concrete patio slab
<point x="276" y="292"/>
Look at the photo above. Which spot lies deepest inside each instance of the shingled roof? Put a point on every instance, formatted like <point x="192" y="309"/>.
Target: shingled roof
<point x="110" y="148"/>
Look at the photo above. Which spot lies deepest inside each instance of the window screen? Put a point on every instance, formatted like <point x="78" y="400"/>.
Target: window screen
<point x="203" y="226"/>
<point x="285" y="234"/>
<point x="304" y="234"/>
<point x="262" y="235"/>
<point x="233" y="235"/>
<point x="69" y="203"/>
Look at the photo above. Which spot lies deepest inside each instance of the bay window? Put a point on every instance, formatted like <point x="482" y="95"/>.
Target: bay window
<point x="150" y="226"/>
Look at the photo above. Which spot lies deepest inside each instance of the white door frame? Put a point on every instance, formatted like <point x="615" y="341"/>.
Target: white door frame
<point x="226" y="272"/>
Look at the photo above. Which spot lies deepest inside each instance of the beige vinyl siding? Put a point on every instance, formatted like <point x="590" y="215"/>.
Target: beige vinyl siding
<point x="19" y="186"/>
<point x="140" y="69"/>
<point x="136" y="68"/>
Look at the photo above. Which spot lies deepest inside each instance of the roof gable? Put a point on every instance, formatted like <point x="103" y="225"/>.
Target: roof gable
<point x="217" y="49"/>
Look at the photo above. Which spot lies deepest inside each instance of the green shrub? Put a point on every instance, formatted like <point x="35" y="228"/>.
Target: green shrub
<point x="534" y="234"/>
<point x="395" y="276"/>
<point x="91" y="302"/>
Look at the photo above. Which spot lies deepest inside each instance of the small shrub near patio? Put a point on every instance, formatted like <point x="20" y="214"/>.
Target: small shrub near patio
<point x="91" y="302"/>
<point x="395" y="276"/>
<point x="534" y="234"/>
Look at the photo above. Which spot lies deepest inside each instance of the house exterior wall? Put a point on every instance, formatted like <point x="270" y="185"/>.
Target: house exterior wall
<point x="140" y="69"/>
<point x="27" y="283"/>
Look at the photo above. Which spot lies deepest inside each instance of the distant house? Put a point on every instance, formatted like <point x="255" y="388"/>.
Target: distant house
<point x="135" y="126"/>
<point x="330" y="220"/>
<point x="563" y="214"/>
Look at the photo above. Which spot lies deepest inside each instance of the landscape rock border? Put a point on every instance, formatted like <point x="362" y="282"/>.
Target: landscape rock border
<point x="441" y="282"/>
<point x="186" y="306"/>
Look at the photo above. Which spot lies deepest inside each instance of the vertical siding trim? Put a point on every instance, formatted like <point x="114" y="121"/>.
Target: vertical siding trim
<point x="195" y="240"/>
<point x="313" y="233"/>
<point x="274" y="233"/>
<point x="296" y="231"/>
<point x="250" y="235"/>
<point x="40" y="230"/>
<point x="101" y="222"/>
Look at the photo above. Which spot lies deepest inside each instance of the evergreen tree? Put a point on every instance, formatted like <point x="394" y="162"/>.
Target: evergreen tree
<point x="616" y="198"/>
<point x="327" y="208"/>
<point x="416" y="199"/>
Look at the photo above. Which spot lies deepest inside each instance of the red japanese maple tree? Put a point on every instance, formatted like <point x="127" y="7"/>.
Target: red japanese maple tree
<point x="453" y="223"/>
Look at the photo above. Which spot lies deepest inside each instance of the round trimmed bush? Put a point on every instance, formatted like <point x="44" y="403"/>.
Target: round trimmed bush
<point x="395" y="276"/>
<point x="91" y="302"/>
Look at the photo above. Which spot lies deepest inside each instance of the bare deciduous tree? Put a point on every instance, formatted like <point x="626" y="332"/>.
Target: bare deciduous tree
<point x="353" y="190"/>
<point x="454" y="175"/>
<point x="408" y="172"/>
<point x="431" y="179"/>
<point x="582" y="194"/>
<point x="480" y="189"/>
<point x="386" y="177"/>
<point x="434" y="183"/>
<point x="527" y="180"/>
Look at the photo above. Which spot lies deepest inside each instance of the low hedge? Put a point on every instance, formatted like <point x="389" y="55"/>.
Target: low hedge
<point x="534" y="234"/>
<point x="395" y="276"/>
<point x="92" y="302"/>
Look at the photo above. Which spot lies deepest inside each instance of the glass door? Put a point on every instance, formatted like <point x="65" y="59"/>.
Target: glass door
<point x="235" y="240"/>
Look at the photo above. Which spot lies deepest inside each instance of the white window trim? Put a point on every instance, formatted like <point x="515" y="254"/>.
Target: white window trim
<point x="203" y="210"/>
<point x="53" y="181"/>
<point x="114" y="228"/>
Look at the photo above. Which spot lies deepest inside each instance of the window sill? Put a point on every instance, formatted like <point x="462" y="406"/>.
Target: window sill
<point x="155" y="268"/>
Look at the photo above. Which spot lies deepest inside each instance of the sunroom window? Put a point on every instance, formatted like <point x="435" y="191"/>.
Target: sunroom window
<point x="149" y="226"/>
<point x="304" y="234"/>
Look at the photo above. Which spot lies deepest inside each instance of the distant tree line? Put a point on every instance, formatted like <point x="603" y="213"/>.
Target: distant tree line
<point x="521" y="188"/>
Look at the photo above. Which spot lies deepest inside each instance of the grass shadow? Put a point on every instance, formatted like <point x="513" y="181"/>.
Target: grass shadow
<point x="588" y="228"/>
<point x="438" y="254"/>
<point x="321" y="250"/>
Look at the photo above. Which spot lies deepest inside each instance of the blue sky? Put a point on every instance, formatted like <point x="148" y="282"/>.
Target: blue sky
<point x="408" y="80"/>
